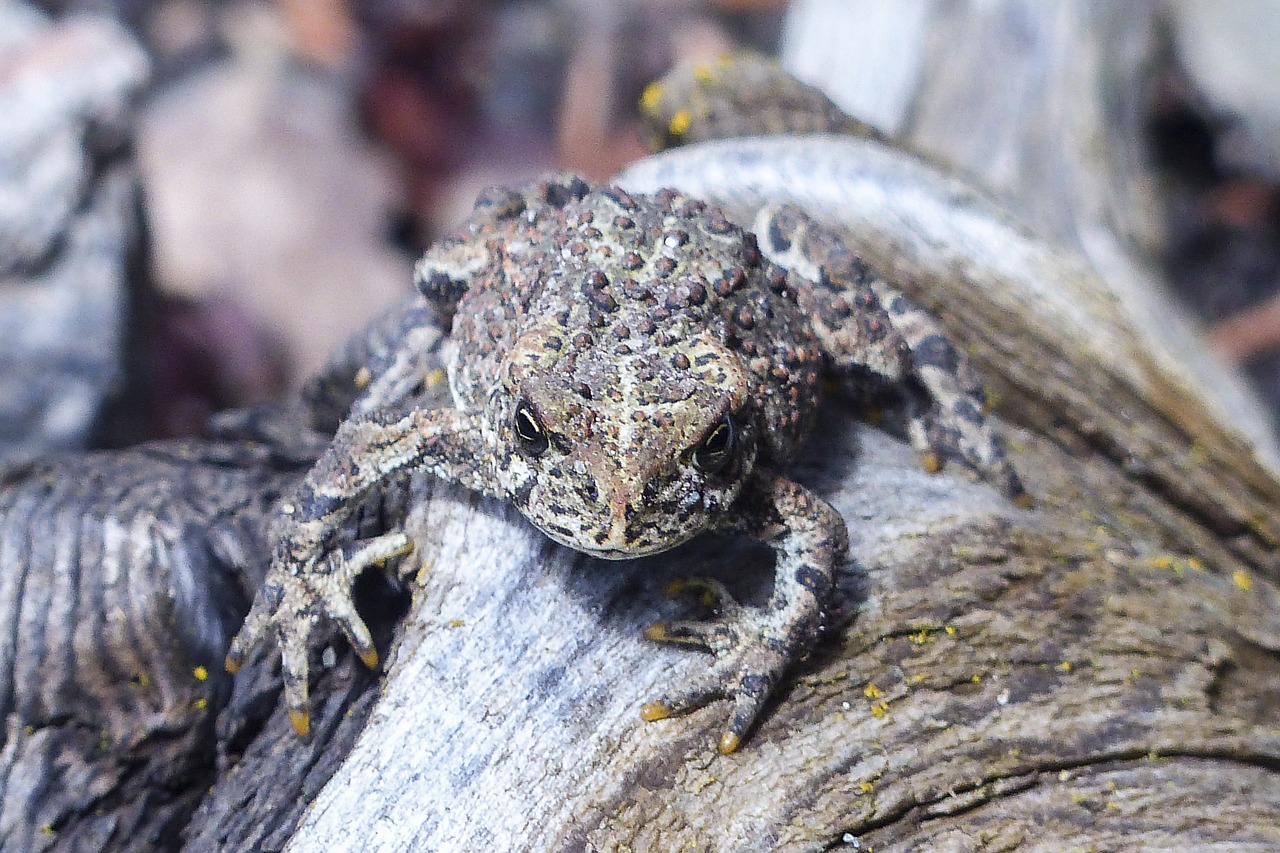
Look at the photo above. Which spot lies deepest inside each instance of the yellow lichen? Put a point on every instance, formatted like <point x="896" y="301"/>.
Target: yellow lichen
<point x="991" y="399"/>
<point x="1197" y="453"/>
<point x="200" y="704"/>
<point x="651" y="97"/>
<point x="201" y="673"/>
<point x="879" y="709"/>
<point x="951" y="630"/>
<point x="872" y="692"/>
<point x="680" y="123"/>
<point x="702" y="73"/>
<point x="705" y="782"/>
<point x="1242" y="579"/>
<point x="834" y="678"/>
<point x="924" y="636"/>
<point x="434" y="377"/>
<point x="1065" y="666"/>
<point x="1175" y="563"/>
<point x="456" y="623"/>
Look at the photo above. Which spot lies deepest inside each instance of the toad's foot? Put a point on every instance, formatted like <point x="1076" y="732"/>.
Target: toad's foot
<point x="754" y="648"/>
<point x="294" y="598"/>
<point x="751" y="656"/>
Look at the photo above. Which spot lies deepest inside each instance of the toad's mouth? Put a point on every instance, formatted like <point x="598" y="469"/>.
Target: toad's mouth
<point x="629" y="551"/>
<point x="622" y="553"/>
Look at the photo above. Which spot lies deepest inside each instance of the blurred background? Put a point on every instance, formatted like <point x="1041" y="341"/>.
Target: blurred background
<point x="293" y="157"/>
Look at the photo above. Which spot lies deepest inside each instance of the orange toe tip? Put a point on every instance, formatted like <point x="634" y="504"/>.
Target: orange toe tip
<point x="301" y="722"/>
<point x="230" y="665"/>
<point x="370" y="658"/>
<point x="651" y="711"/>
<point x="729" y="742"/>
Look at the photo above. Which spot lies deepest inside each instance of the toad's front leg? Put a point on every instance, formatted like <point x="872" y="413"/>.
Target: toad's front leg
<point x="755" y="648"/>
<point x="312" y="569"/>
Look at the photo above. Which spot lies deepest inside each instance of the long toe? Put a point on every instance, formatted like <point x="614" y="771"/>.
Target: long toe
<point x="294" y="671"/>
<point x="698" y="692"/>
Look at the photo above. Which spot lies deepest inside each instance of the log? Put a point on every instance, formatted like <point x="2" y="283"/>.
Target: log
<point x="1099" y="672"/>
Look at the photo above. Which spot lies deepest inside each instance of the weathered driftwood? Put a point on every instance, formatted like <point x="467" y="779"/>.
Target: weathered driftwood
<point x="122" y="577"/>
<point x="1100" y="672"/>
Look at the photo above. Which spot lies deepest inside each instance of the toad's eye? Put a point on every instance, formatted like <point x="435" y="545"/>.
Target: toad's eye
<point x="533" y="438"/>
<point x="714" y="453"/>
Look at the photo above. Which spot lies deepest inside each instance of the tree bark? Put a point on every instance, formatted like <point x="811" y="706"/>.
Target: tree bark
<point x="1100" y="672"/>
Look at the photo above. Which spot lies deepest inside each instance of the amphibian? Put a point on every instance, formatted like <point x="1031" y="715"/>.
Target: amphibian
<point x="629" y="371"/>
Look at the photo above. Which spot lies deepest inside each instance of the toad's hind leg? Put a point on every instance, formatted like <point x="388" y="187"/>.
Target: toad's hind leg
<point x="868" y="327"/>
<point x="944" y="377"/>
